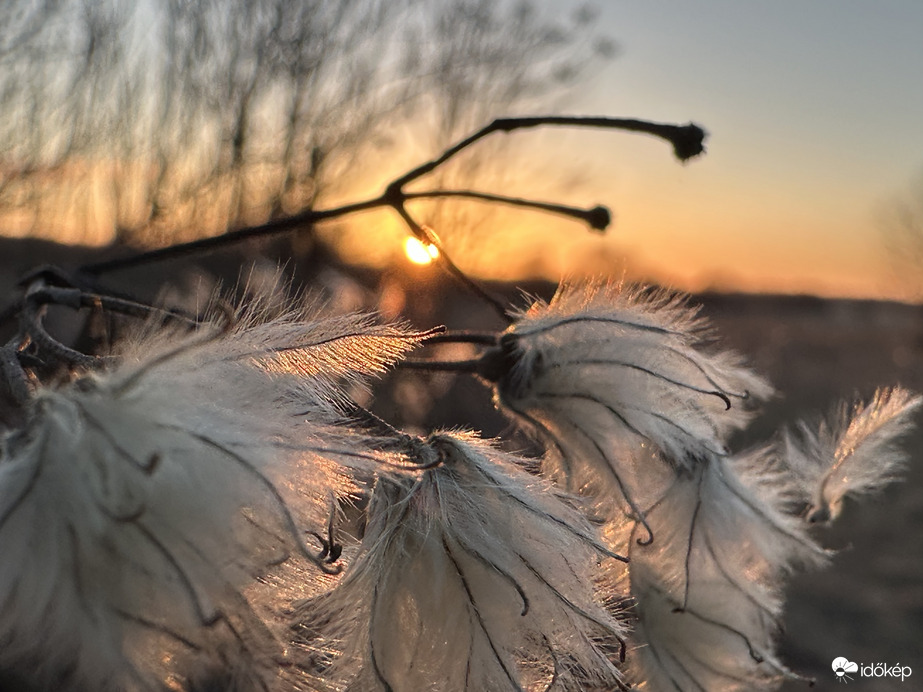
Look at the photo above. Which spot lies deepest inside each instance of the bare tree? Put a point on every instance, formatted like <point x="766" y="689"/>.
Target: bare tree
<point x="167" y="121"/>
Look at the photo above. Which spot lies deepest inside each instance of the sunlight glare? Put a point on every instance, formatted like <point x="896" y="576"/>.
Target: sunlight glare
<point x="418" y="253"/>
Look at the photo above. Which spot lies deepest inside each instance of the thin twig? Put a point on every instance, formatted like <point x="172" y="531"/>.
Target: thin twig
<point x="270" y="228"/>
<point x="687" y="141"/>
<point x="14" y="385"/>
<point x="462" y="337"/>
<point x="598" y="218"/>
<point x="31" y="324"/>
<point x="461" y="366"/>
<point x="426" y="235"/>
<point x="77" y="298"/>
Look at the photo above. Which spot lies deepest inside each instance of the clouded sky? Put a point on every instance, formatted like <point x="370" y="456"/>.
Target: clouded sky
<point x="815" y="114"/>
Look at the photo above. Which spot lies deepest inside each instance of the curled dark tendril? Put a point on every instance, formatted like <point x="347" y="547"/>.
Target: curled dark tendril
<point x="331" y="549"/>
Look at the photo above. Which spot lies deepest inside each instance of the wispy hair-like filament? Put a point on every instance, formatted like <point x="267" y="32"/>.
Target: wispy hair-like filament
<point x="708" y="592"/>
<point x="638" y="354"/>
<point x="618" y="383"/>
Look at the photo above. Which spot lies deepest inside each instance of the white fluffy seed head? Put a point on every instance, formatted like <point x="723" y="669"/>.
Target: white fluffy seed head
<point x="616" y="381"/>
<point x="638" y="356"/>
<point x="708" y="588"/>
<point x="115" y="518"/>
<point x="475" y="576"/>
<point x="138" y="505"/>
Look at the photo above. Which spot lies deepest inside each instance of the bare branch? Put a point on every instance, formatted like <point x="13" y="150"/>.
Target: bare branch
<point x="687" y="142"/>
<point x="597" y="218"/>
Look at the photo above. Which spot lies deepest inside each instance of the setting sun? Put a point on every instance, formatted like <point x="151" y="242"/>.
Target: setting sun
<point x="418" y="253"/>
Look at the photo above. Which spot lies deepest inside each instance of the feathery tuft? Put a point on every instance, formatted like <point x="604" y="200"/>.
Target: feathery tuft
<point x="854" y="455"/>
<point x="474" y="576"/>
<point x="138" y="506"/>
<point x="707" y="591"/>
<point x="616" y="382"/>
<point x="635" y="355"/>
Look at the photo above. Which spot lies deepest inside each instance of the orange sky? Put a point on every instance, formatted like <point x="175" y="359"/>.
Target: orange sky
<point x="718" y="221"/>
<point x="814" y="112"/>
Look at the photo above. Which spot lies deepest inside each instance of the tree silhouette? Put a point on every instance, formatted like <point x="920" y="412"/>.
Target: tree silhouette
<point x="167" y="121"/>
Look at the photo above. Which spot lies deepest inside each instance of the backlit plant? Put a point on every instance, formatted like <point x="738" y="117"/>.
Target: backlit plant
<point x="208" y="507"/>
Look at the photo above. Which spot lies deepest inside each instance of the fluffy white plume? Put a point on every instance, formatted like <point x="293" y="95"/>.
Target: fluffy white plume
<point x="475" y="576"/>
<point x="707" y="590"/>
<point x="136" y="505"/>
<point x="615" y="380"/>
<point x="619" y="385"/>
<point x="636" y="356"/>
<point x="857" y="453"/>
<point x="312" y="356"/>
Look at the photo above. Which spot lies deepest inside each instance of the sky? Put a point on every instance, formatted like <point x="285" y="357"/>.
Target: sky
<point x="814" y="110"/>
<point x="815" y="116"/>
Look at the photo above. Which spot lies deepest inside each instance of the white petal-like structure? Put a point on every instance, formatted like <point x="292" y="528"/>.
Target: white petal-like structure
<point x="620" y="367"/>
<point x="636" y="411"/>
<point x="618" y="384"/>
<point x="708" y="589"/>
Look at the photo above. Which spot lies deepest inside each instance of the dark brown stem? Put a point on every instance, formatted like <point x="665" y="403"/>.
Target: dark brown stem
<point x="426" y="235"/>
<point x="31" y="324"/>
<point x="76" y="298"/>
<point x="271" y="228"/>
<point x="482" y="338"/>
<point x="598" y="218"/>
<point x="461" y="366"/>
<point x="687" y="141"/>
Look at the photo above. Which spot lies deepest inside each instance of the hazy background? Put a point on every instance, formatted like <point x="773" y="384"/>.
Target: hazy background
<point x="135" y="120"/>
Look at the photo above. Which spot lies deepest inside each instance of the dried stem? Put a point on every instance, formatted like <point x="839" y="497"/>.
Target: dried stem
<point x="598" y="218"/>
<point x="463" y="337"/>
<point x="687" y="141"/>
<point x="460" y="366"/>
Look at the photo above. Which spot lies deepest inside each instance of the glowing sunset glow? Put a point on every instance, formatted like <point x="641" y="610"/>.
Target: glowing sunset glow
<point x="418" y="253"/>
<point x="800" y="197"/>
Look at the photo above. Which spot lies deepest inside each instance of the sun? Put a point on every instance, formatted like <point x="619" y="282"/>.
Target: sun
<point x="418" y="252"/>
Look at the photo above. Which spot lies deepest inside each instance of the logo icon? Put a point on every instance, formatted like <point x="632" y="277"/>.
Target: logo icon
<point x="842" y="667"/>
